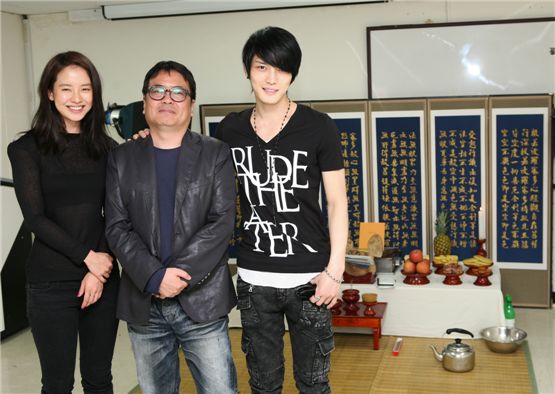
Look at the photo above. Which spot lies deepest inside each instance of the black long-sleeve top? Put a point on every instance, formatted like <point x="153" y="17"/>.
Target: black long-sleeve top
<point x="62" y="197"/>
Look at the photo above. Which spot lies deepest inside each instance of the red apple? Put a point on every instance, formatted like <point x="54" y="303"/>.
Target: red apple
<point x="415" y="256"/>
<point x="409" y="268"/>
<point x="423" y="267"/>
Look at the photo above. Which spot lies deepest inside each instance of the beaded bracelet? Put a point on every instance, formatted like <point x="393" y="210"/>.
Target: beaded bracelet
<point x="332" y="277"/>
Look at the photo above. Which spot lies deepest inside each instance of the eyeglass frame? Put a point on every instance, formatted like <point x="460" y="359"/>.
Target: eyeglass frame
<point x="168" y="90"/>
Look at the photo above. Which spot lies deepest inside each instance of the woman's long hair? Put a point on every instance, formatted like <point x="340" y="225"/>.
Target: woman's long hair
<point x="48" y="125"/>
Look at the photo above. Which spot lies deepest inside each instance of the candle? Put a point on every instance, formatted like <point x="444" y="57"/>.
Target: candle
<point x="481" y="223"/>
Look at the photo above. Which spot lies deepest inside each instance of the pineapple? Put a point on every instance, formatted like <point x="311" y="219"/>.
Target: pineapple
<point x="442" y="242"/>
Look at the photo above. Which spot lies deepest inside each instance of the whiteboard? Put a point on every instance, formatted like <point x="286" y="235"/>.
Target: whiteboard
<point x="474" y="58"/>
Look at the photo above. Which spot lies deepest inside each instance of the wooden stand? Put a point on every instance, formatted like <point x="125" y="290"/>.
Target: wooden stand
<point x="367" y="278"/>
<point x="481" y="250"/>
<point x="361" y="320"/>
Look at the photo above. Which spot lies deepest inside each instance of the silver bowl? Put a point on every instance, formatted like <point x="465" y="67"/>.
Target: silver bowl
<point x="503" y="339"/>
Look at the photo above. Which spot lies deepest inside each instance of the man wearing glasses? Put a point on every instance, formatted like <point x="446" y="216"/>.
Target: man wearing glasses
<point x="170" y="211"/>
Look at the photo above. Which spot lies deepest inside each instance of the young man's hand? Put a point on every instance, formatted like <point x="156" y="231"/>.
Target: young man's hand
<point x="327" y="289"/>
<point x="173" y="283"/>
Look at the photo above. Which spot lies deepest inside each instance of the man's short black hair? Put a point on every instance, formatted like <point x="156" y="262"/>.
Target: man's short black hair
<point x="277" y="47"/>
<point x="167" y="66"/>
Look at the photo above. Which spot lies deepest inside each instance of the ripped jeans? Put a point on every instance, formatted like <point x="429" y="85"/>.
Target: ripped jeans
<point x="262" y="311"/>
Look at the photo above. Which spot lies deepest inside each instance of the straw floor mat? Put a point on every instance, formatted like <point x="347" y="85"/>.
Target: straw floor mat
<point x="358" y="369"/>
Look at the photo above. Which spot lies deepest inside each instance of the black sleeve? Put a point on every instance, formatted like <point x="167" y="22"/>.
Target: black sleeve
<point x="103" y="246"/>
<point x="131" y="251"/>
<point x="206" y="248"/>
<point x="329" y="150"/>
<point x="220" y="129"/>
<point x="24" y="158"/>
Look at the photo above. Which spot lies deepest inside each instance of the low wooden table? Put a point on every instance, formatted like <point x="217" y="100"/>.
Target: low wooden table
<point x="360" y="320"/>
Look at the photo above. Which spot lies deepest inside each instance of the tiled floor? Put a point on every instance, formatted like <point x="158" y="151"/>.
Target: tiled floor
<point x="21" y="371"/>
<point x="540" y="326"/>
<point x="21" y="368"/>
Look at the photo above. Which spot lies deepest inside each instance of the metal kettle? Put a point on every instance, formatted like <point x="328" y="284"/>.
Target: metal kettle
<point x="456" y="356"/>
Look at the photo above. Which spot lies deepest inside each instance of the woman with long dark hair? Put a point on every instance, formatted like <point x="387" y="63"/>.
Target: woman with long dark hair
<point x="72" y="279"/>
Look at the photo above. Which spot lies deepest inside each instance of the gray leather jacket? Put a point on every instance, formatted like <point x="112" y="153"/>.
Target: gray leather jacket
<point x="204" y="219"/>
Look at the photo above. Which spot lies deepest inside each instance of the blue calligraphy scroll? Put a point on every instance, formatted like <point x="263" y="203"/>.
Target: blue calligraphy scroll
<point x="458" y="178"/>
<point x="520" y="190"/>
<point x="353" y="150"/>
<point x="400" y="193"/>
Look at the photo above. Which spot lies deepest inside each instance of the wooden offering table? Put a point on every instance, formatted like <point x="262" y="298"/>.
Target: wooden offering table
<point x="360" y="319"/>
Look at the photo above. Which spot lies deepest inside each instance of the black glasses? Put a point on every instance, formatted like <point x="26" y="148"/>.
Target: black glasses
<point x="177" y="93"/>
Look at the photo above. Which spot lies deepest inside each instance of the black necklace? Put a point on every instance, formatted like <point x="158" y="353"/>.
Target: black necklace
<point x="270" y="168"/>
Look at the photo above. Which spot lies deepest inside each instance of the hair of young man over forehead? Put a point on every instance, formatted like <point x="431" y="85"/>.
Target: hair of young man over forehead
<point x="167" y="66"/>
<point x="277" y="47"/>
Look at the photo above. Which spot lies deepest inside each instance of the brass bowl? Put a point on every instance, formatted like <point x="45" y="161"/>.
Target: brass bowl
<point x="357" y="270"/>
<point x="369" y="297"/>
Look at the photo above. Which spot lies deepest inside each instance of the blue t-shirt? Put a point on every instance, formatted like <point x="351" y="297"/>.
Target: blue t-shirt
<point x="166" y="165"/>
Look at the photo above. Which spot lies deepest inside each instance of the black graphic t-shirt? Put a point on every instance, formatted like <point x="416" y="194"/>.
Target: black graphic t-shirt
<point x="280" y="182"/>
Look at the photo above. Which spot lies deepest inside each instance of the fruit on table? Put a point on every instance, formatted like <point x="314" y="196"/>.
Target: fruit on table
<point x="423" y="267"/>
<point x="416" y="256"/>
<point x="416" y="263"/>
<point x="442" y="242"/>
<point x="452" y="269"/>
<point x="409" y="267"/>
<point x="483" y="270"/>
<point x="478" y="261"/>
<point x="446" y="259"/>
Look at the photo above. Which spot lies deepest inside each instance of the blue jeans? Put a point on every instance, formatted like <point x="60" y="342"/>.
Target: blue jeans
<point x="206" y="347"/>
<point x="262" y="311"/>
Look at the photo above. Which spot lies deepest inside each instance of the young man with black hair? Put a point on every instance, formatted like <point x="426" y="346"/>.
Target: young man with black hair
<point x="282" y="152"/>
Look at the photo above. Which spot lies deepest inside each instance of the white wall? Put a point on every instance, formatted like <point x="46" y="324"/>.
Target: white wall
<point x="15" y="116"/>
<point x="15" y="94"/>
<point x="333" y="40"/>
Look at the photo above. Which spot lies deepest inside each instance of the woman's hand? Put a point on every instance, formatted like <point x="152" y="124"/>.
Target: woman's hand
<point x="142" y="134"/>
<point x="91" y="290"/>
<point x="100" y="264"/>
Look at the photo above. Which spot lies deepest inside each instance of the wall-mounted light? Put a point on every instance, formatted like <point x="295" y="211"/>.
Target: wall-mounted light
<point x="188" y="7"/>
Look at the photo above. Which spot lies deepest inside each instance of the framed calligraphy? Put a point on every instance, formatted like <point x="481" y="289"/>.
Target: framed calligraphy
<point x="398" y="170"/>
<point x="521" y="189"/>
<point x="458" y="173"/>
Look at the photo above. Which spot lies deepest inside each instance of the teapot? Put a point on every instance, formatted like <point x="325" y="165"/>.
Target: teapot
<point x="456" y="356"/>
